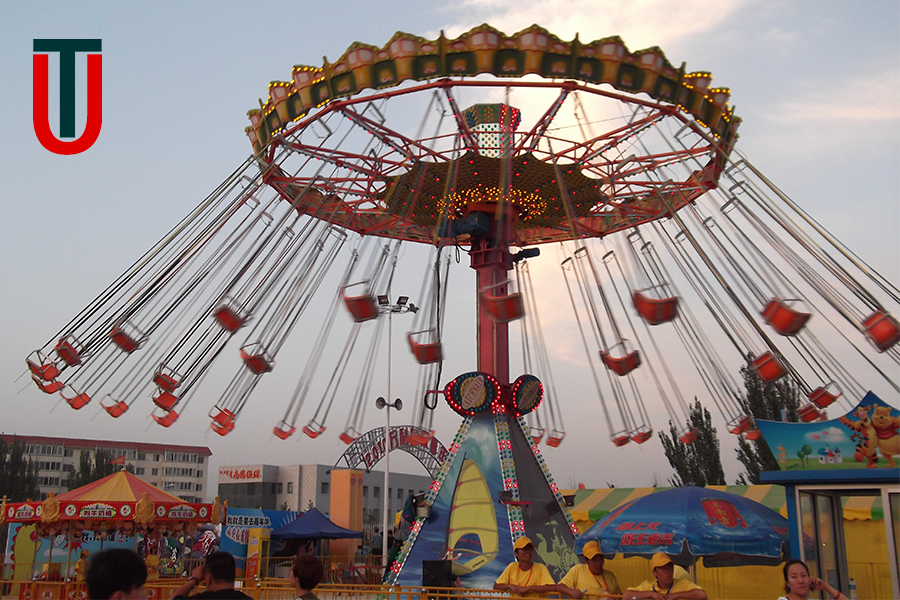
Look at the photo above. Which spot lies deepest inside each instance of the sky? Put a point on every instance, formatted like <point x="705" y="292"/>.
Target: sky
<point x="815" y="82"/>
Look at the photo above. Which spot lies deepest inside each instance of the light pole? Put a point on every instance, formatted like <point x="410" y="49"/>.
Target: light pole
<point x="403" y="305"/>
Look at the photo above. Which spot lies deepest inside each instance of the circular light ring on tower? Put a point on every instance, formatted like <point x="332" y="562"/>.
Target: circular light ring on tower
<point x="528" y="393"/>
<point x="472" y="392"/>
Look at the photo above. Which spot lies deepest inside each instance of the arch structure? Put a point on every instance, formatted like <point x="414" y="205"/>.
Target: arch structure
<point x="368" y="449"/>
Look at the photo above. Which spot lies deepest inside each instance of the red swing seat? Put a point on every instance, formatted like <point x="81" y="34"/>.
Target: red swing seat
<point x="229" y="317"/>
<point x="362" y="308"/>
<point x="77" y="401"/>
<point x="43" y="368"/>
<point x="256" y="358"/>
<point x="688" y="436"/>
<point x="425" y="353"/>
<point x="349" y="435"/>
<point x="809" y="412"/>
<point x="70" y="352"/>
<point x="167" y="419"/>
<point x="824" y="396"/>
<point x="752" y="434"/>
<point x="655" y="311"/>
<point x="165" y="379"/>
<point x="222" y="429"/>
<point x="620" y="438"/>
<point x="503" y="309"/>
<point x="537" y="434"/>
<point x="740" y="424"/>
<point x="882" y="329"/>
<point x="313" y="429"/>
<point x="116" y="409"/>
<point x="784" y="319"/>
<point x="165" y="400"/>
<point x="768" y="368"/>
<point x="624" y="364"/>
<point x="283" y="430"/>
<point x="51" y="387"/>
<point x="555" y="438"/>
<point x="222" y="416"/>
<point x="642" y="434"/>
<point x="127" y="337"/>
<point x="419" y="439"/>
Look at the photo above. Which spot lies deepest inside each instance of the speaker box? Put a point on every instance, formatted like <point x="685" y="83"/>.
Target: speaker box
<point x="437" y="573"/>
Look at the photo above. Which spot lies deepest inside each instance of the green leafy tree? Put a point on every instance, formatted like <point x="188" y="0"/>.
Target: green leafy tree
<point x="698" y="463"/>
<point x="18" y="476"/>
<point x="94" y="466"/>
<point x="776" y="401"/>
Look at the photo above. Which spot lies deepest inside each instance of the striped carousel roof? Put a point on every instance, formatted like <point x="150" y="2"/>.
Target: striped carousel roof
<point x="593" y="505"/>
<point x="118" y="487"/>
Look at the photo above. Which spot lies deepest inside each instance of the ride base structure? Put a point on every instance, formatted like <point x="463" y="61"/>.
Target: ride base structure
<point x="494" y="486"/>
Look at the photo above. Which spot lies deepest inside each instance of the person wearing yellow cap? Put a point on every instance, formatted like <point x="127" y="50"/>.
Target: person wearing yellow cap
<point x="525" y="577"/>
<point x="589" y="579"/>
<point x="664" y="585"/>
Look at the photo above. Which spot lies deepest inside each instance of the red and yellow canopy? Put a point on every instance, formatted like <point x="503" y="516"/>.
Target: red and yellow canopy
<point x="120" y="497"/>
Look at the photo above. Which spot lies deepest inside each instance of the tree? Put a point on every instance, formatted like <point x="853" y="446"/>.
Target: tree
<point x="698" y="463"/>
<point x="92" y="467"/>
<point x="18" y="475"/>
<point x="777" y="401"/>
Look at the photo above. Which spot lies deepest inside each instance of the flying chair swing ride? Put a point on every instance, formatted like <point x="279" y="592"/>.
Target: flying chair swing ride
<point x="667" y="238"/>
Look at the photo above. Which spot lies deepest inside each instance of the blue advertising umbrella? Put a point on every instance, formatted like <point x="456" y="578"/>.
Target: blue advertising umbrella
<point x="692" y="522"/>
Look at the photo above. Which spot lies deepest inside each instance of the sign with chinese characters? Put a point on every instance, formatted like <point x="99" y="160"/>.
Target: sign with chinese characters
<point x="227" y="475"/>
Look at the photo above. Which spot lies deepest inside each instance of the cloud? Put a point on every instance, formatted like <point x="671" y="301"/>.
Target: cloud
<point x="640" y="23"/>
<point x="830" y="436"/>
<point x="859" y="100"/>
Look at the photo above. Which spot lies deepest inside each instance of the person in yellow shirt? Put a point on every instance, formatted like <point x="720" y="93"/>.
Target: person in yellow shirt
<point x="525" y="577"/>
<point x="664" y="585"/>
<point x="589" y="579"/>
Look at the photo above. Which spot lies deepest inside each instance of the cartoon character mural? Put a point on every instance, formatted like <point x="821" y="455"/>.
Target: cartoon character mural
<point x="870" y="434"/>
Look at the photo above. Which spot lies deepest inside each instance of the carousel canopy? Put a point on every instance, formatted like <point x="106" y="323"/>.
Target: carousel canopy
<point x="118" y="487"/>
<point x="118" y="497"/>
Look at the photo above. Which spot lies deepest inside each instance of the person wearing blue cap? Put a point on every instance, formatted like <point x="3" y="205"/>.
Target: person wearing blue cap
<point x="589" y="579"/>
<point x="524" y="577"/>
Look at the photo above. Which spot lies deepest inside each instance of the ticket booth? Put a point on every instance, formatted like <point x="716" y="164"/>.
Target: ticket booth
<point x="842" y="486"/>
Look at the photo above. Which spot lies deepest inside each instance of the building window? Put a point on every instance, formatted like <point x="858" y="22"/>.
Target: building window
<point x="199" y="473"/>
<point x="139" y="470"/>
<point x="199" y="460"/>
<point x="324" y="487"/>
<point x="290" y="487"/>
<point x="142" y="456"/>
<point x="156" y="458"/>
<point x="376" y="491"/>
<point x="280" y="488"/>
<point x="69" y="452"/>
<point x="199" y="487"/>
<point x="154" y="472"/>
<point x="365" y="491"/>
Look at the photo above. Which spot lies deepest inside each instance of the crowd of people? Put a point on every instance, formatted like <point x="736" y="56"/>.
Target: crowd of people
<point x="529" y="579"/>
<point x="121" y="574"/>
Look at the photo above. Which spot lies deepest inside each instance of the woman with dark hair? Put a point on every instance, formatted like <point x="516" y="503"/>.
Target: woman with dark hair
<point x="798" y="584"/>
<point x="306" y="574"/>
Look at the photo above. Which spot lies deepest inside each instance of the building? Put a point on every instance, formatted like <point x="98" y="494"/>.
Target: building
<point x="179" y="470"/>
<point x="295" y="487"/>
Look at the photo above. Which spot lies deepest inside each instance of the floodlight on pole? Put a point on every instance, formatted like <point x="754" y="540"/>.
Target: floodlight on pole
<point x="403" y="305"/>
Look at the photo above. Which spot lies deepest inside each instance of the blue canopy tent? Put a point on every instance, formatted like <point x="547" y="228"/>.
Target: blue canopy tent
<point x="314" y="525"/>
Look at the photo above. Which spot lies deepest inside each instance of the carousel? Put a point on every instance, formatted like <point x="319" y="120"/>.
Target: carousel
<point x="49" y="541"/>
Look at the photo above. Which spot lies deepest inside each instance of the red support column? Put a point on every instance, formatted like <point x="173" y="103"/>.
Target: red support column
<point x="491" y="260"/>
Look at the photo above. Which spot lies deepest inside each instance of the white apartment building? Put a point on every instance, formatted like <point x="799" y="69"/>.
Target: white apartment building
<point x="179" y="470"/>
